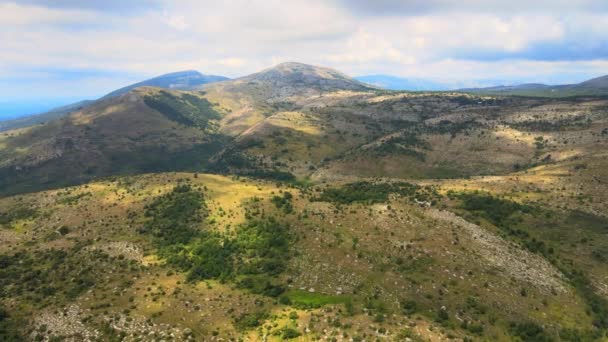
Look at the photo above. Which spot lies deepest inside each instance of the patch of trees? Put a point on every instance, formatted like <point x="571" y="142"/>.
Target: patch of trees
<point x="188" y="110"/>
<point x="252" y="258"/>
<point x="10" y="328"/>
<point x="17" y="213"/>
<point x="283" y="202"/>
<point x="250" y="320"/>
<point x="174" y="217"/>
<point x="453" y="128"/>
<point x="368" y="192"/>
<point x="530" y="331"/>
<point x="496" y="210"/>
<point x="404" y="144"/>
<point x="44" y="277"/>
<point x="578" y="122"/>
<point x="71" y="200"/>
<point x="236" y="162"/>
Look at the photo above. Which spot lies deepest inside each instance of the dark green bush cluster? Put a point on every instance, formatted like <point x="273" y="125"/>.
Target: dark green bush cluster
<point x="376" y="192"/>
<point x="17" y="213"/>
<point x="173" y="218"/>
<point x="563" y="124"/>
<point x="71" y="200"/>
<point x="283" y="202"/>
<point x="529" y="331"/>
<point x="597" y="304"/>
<point x="187" y="109"/>
<point x="252" y="257"/>
<point x="408" y="307"/>
<point x="287" y="333"/>
<point x="452" y="128"/>
<point x="496" y="210"/>
<point x="281" y="176"/>
<point x="404" y="144"/>
<point x="250" y="320"/>
<point x="10" y="328"/>
<point x="50" y="276"/>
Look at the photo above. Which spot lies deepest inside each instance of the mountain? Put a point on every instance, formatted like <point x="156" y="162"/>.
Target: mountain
<point x="298" y="75"/>
<point x="177" y="80"/>
<point x="300" y="204"/>
<point x="399" y="83"/>
<point x="251" y="99"/>
<point x="593" y="87"/>
<point x="181" y="80"/>
<point x="595" y="83"/>
<point x="290" y="80"/>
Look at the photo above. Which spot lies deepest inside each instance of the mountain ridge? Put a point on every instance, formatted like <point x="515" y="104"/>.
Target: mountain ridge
<point x="181" y="80"/>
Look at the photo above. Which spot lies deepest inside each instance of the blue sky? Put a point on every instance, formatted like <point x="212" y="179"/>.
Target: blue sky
<point x="72" y="49"/>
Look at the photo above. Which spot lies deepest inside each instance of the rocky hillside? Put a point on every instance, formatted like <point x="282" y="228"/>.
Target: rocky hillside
<point x="298" y="204"/>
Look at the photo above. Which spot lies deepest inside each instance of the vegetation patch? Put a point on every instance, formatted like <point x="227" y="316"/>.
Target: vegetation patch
<point x="174" y="217"/>
<point x="368" y="192"/>
<point x="252" y="257"/>
<point x="71" y="200"/>
<point x="17" y="213"/>
<point x="303" y="299"/>
<point x="55" y="276"/>
<point x="530" y="331"/>
<point x="494" y="209"/>
<point x="284" y="202"/>
<point x="188" y="110"/>
<point x="250" y="320"/>
<point x="10" y="328"/>
<point x="406" y="144"/>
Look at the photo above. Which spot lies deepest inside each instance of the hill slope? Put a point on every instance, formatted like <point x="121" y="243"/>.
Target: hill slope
<point x="334" y="211"/>
<point x="182" y="80"/>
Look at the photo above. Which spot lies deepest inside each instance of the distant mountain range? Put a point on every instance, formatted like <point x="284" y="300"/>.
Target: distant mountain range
<point x="190" y="79"/>
<point x="593" y="87"/>
<point x="181" y="80"/>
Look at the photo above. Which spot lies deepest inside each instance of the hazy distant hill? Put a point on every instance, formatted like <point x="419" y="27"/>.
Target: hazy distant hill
<point x="593" y="87"/>
<point x="43" y="117"/>
<point x="181" y="80"/>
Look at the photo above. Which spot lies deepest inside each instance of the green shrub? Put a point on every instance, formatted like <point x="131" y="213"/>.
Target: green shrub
<point x="288" y="333"/>
<point x="376" y="192"/>
<point x="283" y="202"/>
<point x="409" y="306"/>
<point x="173" y="218"/>
<point x="17" y="213"/>
<point x="494" y="209"/>
<point x="250" y="320"/>
<point x="530" y="331"/>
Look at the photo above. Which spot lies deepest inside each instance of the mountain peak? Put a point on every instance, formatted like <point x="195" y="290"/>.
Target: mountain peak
<point x="304" y="76"/>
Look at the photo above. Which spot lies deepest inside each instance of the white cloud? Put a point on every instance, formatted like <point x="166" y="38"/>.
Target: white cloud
<point x="236" y="37"/>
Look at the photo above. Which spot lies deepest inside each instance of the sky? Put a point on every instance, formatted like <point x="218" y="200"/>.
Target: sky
<point x="74" y="49"/>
